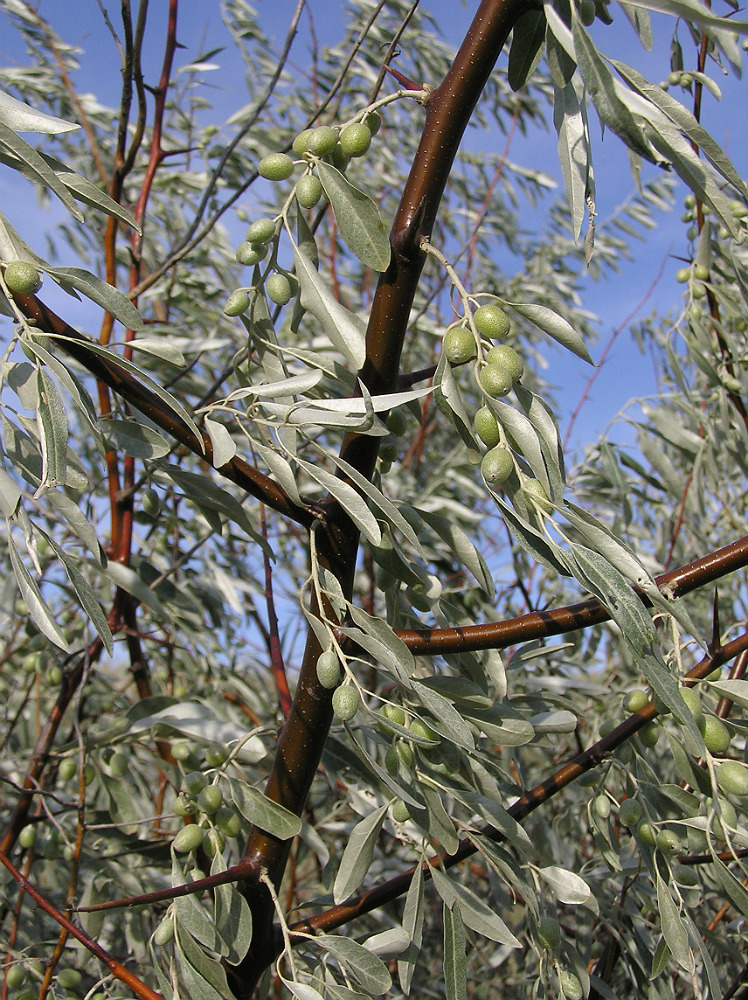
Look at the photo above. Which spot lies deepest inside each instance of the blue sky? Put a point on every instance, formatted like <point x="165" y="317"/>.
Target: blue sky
<point x="626" y="373"/>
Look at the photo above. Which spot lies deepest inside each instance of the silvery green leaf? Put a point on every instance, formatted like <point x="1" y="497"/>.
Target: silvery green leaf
<point x="17" y="153"/>
<point x="673" y="929"/>
<point x="351" y="501"/>
<point x="462" y="547"/>
<point x="567" y="886"/>
<point x="23" y="118"/>
<point x="224" y="446"/>
<point x="358" y="854"/>
<point x="302" y="991"/>
<point x="346" y="332"/>
<point x="87" y="598"/>
<point x="641" y="23"/>
<point x="69" y="381"/>
<point x="380" y="640"/>
<point x="159" y="347"/>
<point x="447" y="720"/>
<point x="295" y="385"/>
<point x="413" y="914"/>
<point x="196" y="721"/>
<point x="555" y="326"/>
<point x="38" y="608"/>
<point x="135" y="439"/>
<point x="528" y="39"/>
<point x="127" y="579"/>
<point x="448" y="399"/>
<point x="269" y="816"/>
<point x="233" y="922"/>
<point x="77" y="279"/>
<point x="692" y="10"/>
<point x="78" y="521"/>
<point x="475" y="913"/>
<point x="535" y="544"/>
<point x="735" y="690"/>
<point x="53" y="432"/>
<point x="558" y="721"/>
<point x="357" y="218"/>
<point x="10" y="494"/>
<point x="573" y="151"/>
<point x="280" y="469"/>
<point x="368" y="969"/>
<point x="455" y="963"/>
<point x="203" y="977"/>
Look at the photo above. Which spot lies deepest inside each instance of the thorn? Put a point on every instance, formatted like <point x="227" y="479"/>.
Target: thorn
<point x="403" y="80"/>
<point x="714" y="643"/>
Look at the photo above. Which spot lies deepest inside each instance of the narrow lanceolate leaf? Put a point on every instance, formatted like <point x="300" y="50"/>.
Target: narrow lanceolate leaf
<point x="83" y="190"/>
<point x="135" y="439"/>
<point x="475" y="913"/>
<point x="573" y="153"/>
<point x="10" y="494"/>
<point x="455" y="965"/>
<point x="358" y="854"/>
<point x="233" y="922"/>
<point x="263" y="812"/>
<point x="32" y="595"/>
<point x="87" y="598"/>
<point x="77" y="279"/>
<point x="224" y="446"/>
<point x="357" y="218"/>
<point x="555" y="326"/>
<point x="126" y="578"/>
<point x="352" y="502"/>
<point x="159" y="347"/>
<point x="567" y="886"/>
<point x="528" y="40"/>
<point x="346" y="332"/>
<point x="368" y="969"/>
<point x="611" y="109"/>
<point x="53" y="432"/>
<point x="673" y="928"/>
<point x="23" y="118"/>
<point x="19" y="154"/>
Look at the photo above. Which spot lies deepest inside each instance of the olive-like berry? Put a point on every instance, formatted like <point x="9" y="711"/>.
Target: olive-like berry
<point x="535" y="491"/>
<point x="164" y="932"/>
<point x="400" y="811"/>
<point x="228" y="822"/>
<point x="571" y="987"/>
<point x="630" y="812"/>
<point x="495" y="380"/>
<point x="497" y="465"/>
<point x="189" y="838"/>
<point x="355" y="139"/>
<point x="419" y="728"/>
<point x="322" y="140"/>
<point x="685" y="80"/>
<point x="732" y="778"/>
<point x="373" y="121"/>
<point x="458" y="345"/>
<point x="715" y="733"/>
<point x="15" y="976"/>
<point x="397" y="422"/>
<point x="209" y="799"/>
<point x="491" y="322"/>
<point x="181" y="750"/>
<point x="308" y="191"/>
<point x="693" y="703"/>
<point x="635" y="700"/>
<point x="649" y="734"/>
<point x="118" y="764"/>
<point x="587" y="12"/>
<point x="549" y="933"/>
<point x="602" y="806"/>
<point x="486" y="426"/>
<point x="328" y="669"/>
<point x="299" y="143"/>
<point x="390" y="713"/>
<point x="682" y="275"/>
<point x="68" y="768"/>
<point x="250" y="254"/>
<point x="193" y="783"/>
<point x="151" y="502"/>
<point x="216" y="755"/>
<point x="391" y="760"/>
<point x="668" y="842"/>
<point x="68" y="979"/>
<point x="214" y="843"/>
<point x="507" y="357"/>
<point x="27" y="836"/>
<point x="340" y="158"/>
<point x="701" y="273"/>
<point x="22" y="277"/>
<point x="237" y="303"/>
<point x="738" y="209"/>
<point x="261" y="231"/>
<point x="345" y="702"/>
<point x="276" y="167"/>
<point x="646" y="833"/>
<point x="278" y="288"/>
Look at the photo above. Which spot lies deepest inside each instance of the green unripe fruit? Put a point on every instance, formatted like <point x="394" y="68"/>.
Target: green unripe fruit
<point x="588" y="779"/>
<point x="495" y="380"/>
<point x="698" y="291"/>
<point x="68" y="979"/>
<point x="549" y="933"/>
<point x="308" y="191"/>
<point x="682" y="275"/>
<point x="164" y="932"/>
<point x="400" y="812"/>
<point x="278" y="288"/>
<point x="390" y="713"/>
<point x="151" y="502"/>
<point x="228" y="822"/>
<point x="189" y="838"/>
<point x="328" y="669"/>
<point x="388" y="449"/>
<point x="322" y="140"/>
<point x="716" y="734"/>
<point x="184" y="806"/>
<point x="535" y="490"/>
<point x="674" y="78"/>
<point x="693" y="703"/>
<point x="214" y="843"/>
<point x="237" y="303"/>
<point x="68" y="768"/>
<point x="570" y="985"/>
<point x="181" y="751"/>
<point x="419" y="728"/>
<point x="668" y="842"/>
<point x="602" y="806"/>
<point x="732" y="778"/>
<point x="486" y="426"/>
<point x="685" y="80"/>
<point x="31" y="663"/>
<point x="373" y="121"/>
<point x="27" y="837"/>
<point x="684" y="875"/>
<point x="491" y="322"/>
<point x="250" y="254"/>
<point x="391" y="760"/>
<point x="299" y="143"/>
<point x="397" y="422"/>
<point x="587" y="12"/>
<point x="405" y="752"/>
<point x="15" y="977"/>
<point x="459" y="345"/>
<point x="216" y="755"/>
<point x="726" y="817"/>
<point x="506" y="357"/>
<point x="646" y="833"/>
<point x="497" y="465"/>
<point x="355" y="139"/>
<point x="22" y="277"/>
<point x="690" y="200"/>
<point x="649" y="734"/>
<point x="635" y="700"/>
<point x="261" y="231"/>
<point x="701" y="273"/>
<point x="276" y="167"/>
<point x="118" y="764"/>
<point x="193" y="783"/>
<point x="89" y="774"/>
<point x="738" y="209"/>
<point x="630" y="812"/>
<point x="339" y="159"/>
<point x="345" y="702"/>
<point x="209" y="799"/>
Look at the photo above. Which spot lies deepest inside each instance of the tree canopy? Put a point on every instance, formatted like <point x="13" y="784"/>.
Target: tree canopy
<point x="329" y="669"/>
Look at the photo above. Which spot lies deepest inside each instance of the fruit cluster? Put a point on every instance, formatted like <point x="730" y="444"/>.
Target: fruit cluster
<point x="203" y="801"/>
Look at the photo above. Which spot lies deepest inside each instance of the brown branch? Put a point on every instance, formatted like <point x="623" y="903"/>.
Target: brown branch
<point x="557" y="621"/>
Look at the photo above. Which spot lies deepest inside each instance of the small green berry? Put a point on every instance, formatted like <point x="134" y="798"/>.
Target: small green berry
<point x="214" y="843"/>
<point x="237" y="303"/>
<point x="685" y="80"/>
<point x="355" y="139"/>
<point x="587" y="12"/>
<point x="118" y="764"/>
<point x="397" y="422"/>
<point x="299" y="143"/>
<point x="497" y="465"/>
<point x="209" y="799"/>
<point x="322" y="140"/>
<point x="738" y="209"/>
<point x="164" y="932"/>
<point x="373" y="121"/>
<point x="668" y="842"/>
<point x="276" y="167"/>
<point x="68" y="979"/>
<point x="189" y="838"/>
<point x="646" y="833"/>
<point x="181" y="751"/>
<point x="345" y="702"/>
<point x="261" y="231"/>
<point x="22" y="278"/>
<point x="682" y="275"/>
<point x="193" y="783"/>
<point x="690" y="200"/>
<point x="716" y="734"/>
<point x="15" y="976"/>
<point x="486" y="426"/>
<point x="228" y="822"/>
<point x="458" y="345"/>
<point x="635" y="700"/>
<point x="216" y="755"/>
<point x="701" y="273"/>
<point x="68" y="768"/>
<point x="698" y="291"/>
<point x="571" y="987"/>
<point x="535" y="490"/>
<point x="151" y="502"/>
<point x="649" y="734"/>
<point x="400" y="811"/>
<point x="549" y="933"/>
<point x="419" y="728"/>
<point x="693" y="703"/>
<point x="732" y="778"/>
<point x="278" y="288"/>
<point x="630" y="812"/>
<point x="328" y="669"/>
<point x="390" y="713"/>
<point x="602" y="806"/>
<point x="491" y="322"/>
<point x="308" y="191"/>
<point x="506" y="356"/>
<point x="250" y="254"/>
<point x="27" y="837"/>
<point x="495" y="380"/>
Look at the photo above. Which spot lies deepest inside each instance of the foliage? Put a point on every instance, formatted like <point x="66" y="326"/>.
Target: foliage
<point x="291" y="644"/>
